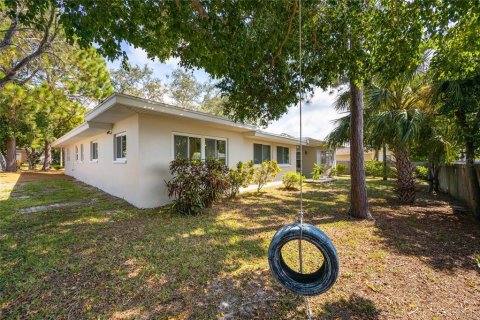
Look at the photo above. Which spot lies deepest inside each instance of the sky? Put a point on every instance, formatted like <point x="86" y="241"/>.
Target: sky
<point x="317" y="115"/>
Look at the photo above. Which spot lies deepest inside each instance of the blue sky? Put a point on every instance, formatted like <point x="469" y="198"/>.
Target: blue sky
<point x="317" y="115"/>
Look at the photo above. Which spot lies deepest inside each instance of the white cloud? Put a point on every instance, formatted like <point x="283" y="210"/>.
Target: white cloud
<point x="317" y="117"/>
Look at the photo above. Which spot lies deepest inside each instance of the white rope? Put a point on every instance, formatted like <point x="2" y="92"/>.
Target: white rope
<point x="300" y="90"/>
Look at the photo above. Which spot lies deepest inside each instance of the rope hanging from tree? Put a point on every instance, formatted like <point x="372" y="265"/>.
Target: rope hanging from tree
<point x="320" y="281"/>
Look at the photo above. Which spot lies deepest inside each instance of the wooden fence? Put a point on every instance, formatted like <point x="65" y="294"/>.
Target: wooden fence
<point x="453" y="180"/>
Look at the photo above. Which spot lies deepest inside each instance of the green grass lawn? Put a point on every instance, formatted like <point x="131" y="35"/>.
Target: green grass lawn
<point x="99" y="257"/>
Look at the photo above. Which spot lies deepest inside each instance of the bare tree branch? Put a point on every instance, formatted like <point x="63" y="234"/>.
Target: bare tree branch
<point x="43" y="45"/>
<point x="289" y="29"/>
<point x="10" y="32"/>
<point x="196" y="4"/>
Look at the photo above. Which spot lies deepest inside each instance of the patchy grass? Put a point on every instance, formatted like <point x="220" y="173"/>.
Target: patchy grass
<point x="99" y="257"/>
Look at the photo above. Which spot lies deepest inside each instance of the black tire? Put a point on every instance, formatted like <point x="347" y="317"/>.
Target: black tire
<point x="303" y="284"/>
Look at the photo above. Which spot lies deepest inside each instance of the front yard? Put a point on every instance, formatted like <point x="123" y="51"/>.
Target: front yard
<point x="95" y="256"/>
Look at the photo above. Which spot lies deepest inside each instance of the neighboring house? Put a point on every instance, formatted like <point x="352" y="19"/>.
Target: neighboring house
<point x="125" y="145"/>
<point x="21" y="156"/>
<point x="315" y="151"/>
<point x="342" y="155"/>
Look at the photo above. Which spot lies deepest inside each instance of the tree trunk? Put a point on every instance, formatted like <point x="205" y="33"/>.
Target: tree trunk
<point x="358" y="188"/>
<point x="47" y="160"/>
<point x="431" y="173"/>
<point x="385" y="165"/>
<point x="405" y="176"/>
<point x="472" y="180"/>
<point x="11" y="154"/>
<point x="376" y="155"/>
<point x="436" y="182"/>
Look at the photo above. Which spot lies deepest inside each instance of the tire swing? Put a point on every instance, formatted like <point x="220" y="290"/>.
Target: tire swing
<point x="304" y="284"/>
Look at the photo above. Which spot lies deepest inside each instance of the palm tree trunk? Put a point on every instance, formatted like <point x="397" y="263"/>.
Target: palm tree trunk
<point x="358" y="188"/>
<point x="405" y="176"/>
<point x="385" y="167"/>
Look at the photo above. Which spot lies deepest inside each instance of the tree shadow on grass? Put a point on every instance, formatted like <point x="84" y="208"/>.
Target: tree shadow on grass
<point x="356" y="307"/>
<point x="430" y="231"/>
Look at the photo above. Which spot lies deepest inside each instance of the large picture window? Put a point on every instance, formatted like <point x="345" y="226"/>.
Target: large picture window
<point x="199" y="148"/>
<point x="283" y="155"/>
<point x="261" y="152"/>
<point x="120" y="146"/>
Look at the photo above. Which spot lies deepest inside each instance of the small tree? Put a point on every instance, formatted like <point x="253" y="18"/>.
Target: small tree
<point x="265" y="173"/>
<point x="239" y="177"/>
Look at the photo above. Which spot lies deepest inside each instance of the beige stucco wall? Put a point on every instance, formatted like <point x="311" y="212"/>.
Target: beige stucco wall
<point x="141" y="180"/>
<point x="118" y="179"/>
<point x="156" y="148"/>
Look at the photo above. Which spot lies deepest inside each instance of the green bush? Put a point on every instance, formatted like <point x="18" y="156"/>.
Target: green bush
<point x="196" y="185"/>
<point x="239" y="177"/>
<point x="318" y="170"/>
<point x="341" y="169"/>
<point x="333" y="172"/>
<point x="421" y="172"/>
<point x="291" y="180"/>
<point x="265" y="173"/>
<point x="373" y="168"/>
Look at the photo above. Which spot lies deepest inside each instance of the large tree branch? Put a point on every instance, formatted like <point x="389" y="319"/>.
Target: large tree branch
<point x="10" y="32"/>
<point x="44" y="43"/>
<point x="201" y="11"/>
<point x="289" y="30"/>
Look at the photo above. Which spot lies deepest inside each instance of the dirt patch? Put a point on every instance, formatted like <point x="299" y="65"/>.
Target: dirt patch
<point x="31" y="176"/>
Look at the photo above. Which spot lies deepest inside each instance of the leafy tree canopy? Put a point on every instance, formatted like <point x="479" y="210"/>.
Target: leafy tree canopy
<point x="252" y="46"/>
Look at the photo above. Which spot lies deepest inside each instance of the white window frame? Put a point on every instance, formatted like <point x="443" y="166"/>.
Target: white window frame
<point x="202" y="145"/>
<point x="94" y="160"/>
<point x="115" y="159"/>
<point x="253" y="152"/>
<point x="82" y="153"/>
<point x="289" y="160"/>
<point x="77" y="154"/>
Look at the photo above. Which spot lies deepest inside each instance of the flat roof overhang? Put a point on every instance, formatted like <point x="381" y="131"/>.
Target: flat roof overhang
<point x="119" y="106"/>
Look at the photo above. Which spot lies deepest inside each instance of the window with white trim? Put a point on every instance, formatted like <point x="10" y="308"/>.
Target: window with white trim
<point x="120" y="146"/>
<point x="67" y="151"/>
<point x="199" y="148"/>
<point x="81" y="152"/>
<point x="283" y="155"/>
<point x="261" y="152"/>
<point x="76" y="154"/>
<point x="216" y="149"/>
<point x="93" y="150"/>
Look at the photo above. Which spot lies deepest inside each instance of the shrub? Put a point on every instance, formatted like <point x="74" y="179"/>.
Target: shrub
<point x="265" y="173"/>
<point x="342" y="169"/>
<point x="196" y="185"/>
<point x="333" y="172"/>
<point x="239" y="177"/>
<point x="291" y="180"/>
<point x="373" y="168"/>
<point x="318" y="170"/>
<point x="421" y="172"/>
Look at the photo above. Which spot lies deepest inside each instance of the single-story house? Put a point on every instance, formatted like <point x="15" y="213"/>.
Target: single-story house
<point x="315" y="151"/>
<point x="125" y="145"/>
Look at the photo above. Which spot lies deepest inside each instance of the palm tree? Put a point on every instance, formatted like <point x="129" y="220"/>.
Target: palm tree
<point x="394" y="113"/>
